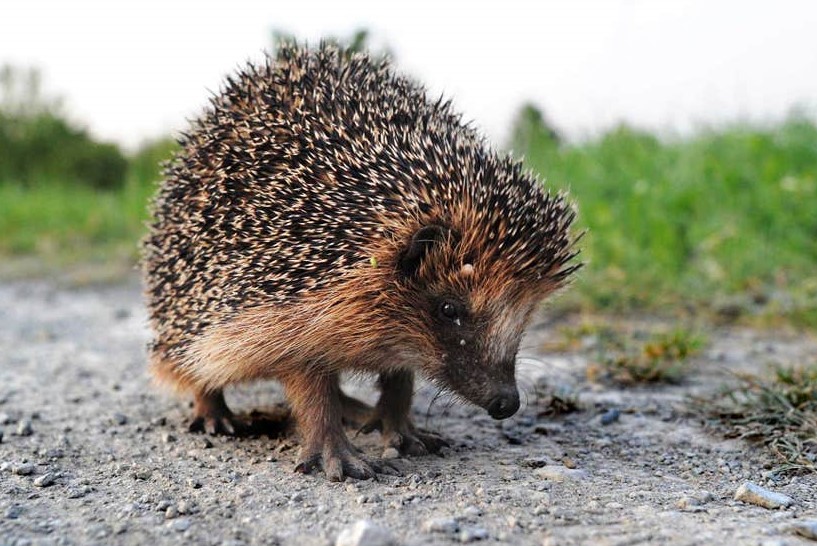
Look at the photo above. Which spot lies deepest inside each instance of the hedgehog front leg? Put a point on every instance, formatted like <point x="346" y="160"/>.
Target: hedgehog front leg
<point x="316" y="404"/>
<point x="391" y="417"/>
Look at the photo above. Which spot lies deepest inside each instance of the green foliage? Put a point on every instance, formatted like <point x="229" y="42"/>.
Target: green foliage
<point x="146" y="164"/>
<point x="674" y="223"/>
<point x="67" y="221"/>
<point x="530" y="130"/>
<point x="38" y="142"/>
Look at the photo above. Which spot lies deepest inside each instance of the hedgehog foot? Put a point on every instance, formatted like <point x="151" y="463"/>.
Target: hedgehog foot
<point x="355" y="412"/>
<point x="403" y="436"/>
<point x="212" y="416"/>
<point x="317" y="406"/>
<point x="338" y="460"/>
<point x="391" y="417"/>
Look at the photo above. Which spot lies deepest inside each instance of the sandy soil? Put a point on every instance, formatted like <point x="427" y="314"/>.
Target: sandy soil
<point x="91" y="453"/>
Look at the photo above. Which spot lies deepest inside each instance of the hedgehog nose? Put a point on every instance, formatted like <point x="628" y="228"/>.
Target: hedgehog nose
<point x="504" y="404"/>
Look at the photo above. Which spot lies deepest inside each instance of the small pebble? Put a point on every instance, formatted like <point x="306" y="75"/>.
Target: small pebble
<point x="180" y="525"/>
<point x="14" y="511"/>
<point x="365" y="533"/>
<point x="54" y="453"/>
<point x="534" y="462"/>
<point x="142" y="473"/>
<point x="390" y="453"/>
<point x="120" y="419"/>
<point x="441" y="525"/>
<point x="45" y="480"/>
<point x="24" y="428"/>
<point x="558" y="473"/>
<point x="77" y="492"/>
<point x="168" y="438"/>
<point x="806" y="529"/>
<point x="704" y="496"/>
<point x="610" y="416"/>
<point x="754" y="494"/>
<point x="472" y="512"/>
<point x="689" y="504"/>
<point x="23" y="469"/>
<point x="473" y="534"/>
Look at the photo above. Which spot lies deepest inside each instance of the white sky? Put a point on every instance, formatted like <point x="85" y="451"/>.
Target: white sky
<point x="132" y="70"/>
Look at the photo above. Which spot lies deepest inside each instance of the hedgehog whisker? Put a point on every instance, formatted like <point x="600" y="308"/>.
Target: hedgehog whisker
<point x="525" y="386"/>
<point x="431" y="404"/>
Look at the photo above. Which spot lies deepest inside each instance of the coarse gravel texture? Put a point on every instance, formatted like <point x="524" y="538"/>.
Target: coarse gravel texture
<point x="92" y="453"/>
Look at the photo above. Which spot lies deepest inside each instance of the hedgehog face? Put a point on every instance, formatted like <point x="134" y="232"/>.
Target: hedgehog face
<point x="478" y="347"/>
<point x="475" y="322"/>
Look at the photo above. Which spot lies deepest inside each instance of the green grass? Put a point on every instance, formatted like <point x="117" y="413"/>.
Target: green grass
<point x="69" y="223"/>
<point x="684" y="222"/>
<point x="726" y="217"/>
<point x="48" y="224"/>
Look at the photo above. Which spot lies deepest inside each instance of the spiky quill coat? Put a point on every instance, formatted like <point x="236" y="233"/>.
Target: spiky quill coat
<point x="280" y="225"/>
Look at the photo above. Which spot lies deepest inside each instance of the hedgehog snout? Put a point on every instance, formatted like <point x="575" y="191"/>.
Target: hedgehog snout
<point x="504" y="403"/>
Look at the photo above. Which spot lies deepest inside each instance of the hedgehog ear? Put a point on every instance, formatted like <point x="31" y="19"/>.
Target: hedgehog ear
<point x="421" y="242"/>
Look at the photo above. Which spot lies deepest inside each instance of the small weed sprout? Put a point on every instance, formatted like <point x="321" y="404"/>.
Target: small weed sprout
<point x="662" y="358"/>
<point x="780" y="412"/>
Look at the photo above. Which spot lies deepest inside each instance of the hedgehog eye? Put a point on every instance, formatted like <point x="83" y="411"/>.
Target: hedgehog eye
<point x="449" y="311"/>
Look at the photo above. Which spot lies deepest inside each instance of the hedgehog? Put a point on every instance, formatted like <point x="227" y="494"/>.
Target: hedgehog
<point x="324" y="216"/>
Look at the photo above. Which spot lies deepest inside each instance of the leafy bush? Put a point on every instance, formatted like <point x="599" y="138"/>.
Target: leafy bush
<point x="146" y="164"/>
<point x="40" y="144"/>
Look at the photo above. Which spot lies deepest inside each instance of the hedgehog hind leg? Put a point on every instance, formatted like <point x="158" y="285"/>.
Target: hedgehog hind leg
<point x="356" y="413"/>
<point x="212" y="415"/>
<point x="210" y="411"/>
<point x="391" y="416"/>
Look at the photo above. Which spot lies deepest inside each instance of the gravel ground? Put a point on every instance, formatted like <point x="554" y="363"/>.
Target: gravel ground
<point x="92" y="453"/>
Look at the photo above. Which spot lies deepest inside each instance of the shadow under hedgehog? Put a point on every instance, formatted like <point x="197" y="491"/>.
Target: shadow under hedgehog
<point x="324" y="216"/>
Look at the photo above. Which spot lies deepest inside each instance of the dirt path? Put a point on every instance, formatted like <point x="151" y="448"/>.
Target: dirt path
<point x="125" y="471"/>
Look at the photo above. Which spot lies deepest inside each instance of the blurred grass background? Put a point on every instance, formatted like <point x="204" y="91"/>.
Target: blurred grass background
<point x="724" y="221"/>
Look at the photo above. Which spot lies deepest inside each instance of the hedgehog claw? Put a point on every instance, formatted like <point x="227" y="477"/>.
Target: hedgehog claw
<point x="337" y="463"/>
<point x="215" y="426"/>
<point x="403" y="436"/>
<point x="415" y="441"/>
<point x="308" y="464"/>
<point x="212" y="416"/>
